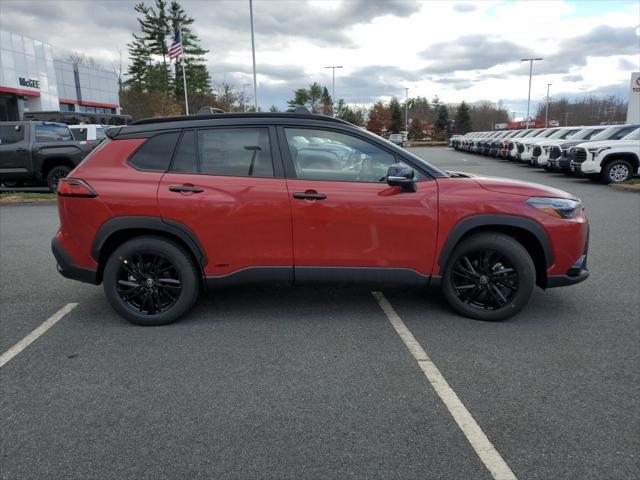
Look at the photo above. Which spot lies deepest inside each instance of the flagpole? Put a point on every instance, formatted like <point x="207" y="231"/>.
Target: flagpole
<point x="184" y="75"/>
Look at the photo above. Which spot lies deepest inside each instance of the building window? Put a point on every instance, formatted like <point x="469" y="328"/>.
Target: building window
<point x="67" y="107"/>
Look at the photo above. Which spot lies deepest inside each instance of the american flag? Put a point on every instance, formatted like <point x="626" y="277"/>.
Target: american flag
<point x="175" y="50"/>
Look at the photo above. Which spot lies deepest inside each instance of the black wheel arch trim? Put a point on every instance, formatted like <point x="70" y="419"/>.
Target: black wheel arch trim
<point x="467" y="224"/>
<point x="177" y="229"/>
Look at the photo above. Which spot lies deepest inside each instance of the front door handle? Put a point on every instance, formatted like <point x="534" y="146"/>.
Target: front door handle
<point x="309" y="196"/>
<point x="185" y="188"/>
<point x="21" y="150"/>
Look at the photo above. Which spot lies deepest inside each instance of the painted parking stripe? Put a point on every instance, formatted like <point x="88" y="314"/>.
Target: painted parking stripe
<point x="33" y="336"/>
<point x="481" y="444"/>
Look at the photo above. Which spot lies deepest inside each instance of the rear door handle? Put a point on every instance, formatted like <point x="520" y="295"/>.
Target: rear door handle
<point x="186" y="188"/>
<point x="309" y="196"/>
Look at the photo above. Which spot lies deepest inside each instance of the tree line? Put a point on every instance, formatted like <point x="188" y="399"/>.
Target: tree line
<point x="589" y="110"/>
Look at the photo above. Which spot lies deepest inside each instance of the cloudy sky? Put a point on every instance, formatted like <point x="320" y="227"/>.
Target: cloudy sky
<point x="457" y="50"/>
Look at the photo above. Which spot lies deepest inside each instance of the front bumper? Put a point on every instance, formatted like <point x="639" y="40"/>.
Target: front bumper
<point x="67" y="267"/>
<point x="576" y="274"/>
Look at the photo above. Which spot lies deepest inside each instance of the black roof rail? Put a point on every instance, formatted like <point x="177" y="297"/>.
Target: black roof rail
<point x="187" y="118"/>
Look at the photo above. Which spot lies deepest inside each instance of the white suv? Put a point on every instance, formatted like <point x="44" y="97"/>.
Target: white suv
<point x="611" y="161"/>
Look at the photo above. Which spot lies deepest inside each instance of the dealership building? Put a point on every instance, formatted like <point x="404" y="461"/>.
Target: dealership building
<point x="32" y="79"/>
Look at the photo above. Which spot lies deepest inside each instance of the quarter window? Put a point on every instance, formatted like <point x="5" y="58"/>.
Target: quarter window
<point x="155" y="154"/>
<point x="185" y="159"/>
<point x="328" y="155"/>
<point x="238" y="152"/>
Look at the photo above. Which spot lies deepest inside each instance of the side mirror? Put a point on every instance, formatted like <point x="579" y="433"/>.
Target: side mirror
<point x="401" y="175"/>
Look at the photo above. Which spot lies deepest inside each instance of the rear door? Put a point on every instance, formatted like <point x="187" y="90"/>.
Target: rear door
<point x="226" y="184"/>
<point x="347" y="221"/>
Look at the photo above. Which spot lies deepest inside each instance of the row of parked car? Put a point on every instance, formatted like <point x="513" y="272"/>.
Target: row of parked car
<point x="609" y="154"/>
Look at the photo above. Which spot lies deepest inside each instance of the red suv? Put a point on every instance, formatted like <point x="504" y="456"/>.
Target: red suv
<point x="167" y="207"/>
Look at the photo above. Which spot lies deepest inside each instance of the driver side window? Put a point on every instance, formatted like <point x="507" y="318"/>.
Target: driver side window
<point x="327" y="155"/>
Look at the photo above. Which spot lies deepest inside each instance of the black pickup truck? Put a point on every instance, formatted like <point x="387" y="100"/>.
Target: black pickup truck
<point x="37" y="153"/>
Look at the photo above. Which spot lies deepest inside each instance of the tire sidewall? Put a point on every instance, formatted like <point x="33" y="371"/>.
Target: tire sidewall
<point x="51" y="174"/>
<point x="181" y="261"/>
<point x="518" y="257"/>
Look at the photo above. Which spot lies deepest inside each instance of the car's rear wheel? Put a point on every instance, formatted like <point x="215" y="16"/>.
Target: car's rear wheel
<point x="151" y="281"/>
<point x="489" y="276"/>
<point x="617" y="171"/>
<point x="54" y="176"/>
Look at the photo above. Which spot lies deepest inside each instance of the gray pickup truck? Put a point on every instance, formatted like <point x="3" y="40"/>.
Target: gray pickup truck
<point x="37" y="153"/>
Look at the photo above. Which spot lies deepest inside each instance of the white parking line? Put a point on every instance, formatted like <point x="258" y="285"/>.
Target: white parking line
<point x="483" y="447"/>
<point x="33" y="336"/>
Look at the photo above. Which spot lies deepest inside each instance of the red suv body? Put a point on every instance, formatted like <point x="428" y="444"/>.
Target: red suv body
<point x="167" y="207"/>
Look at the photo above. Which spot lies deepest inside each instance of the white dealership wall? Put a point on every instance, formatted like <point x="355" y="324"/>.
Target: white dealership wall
<point x="32" y="80"/>
<point x="633" y="111"/>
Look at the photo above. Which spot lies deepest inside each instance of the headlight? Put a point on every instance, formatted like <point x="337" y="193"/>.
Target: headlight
<point x="597" y="150"/>
<point x="557" y="207"/>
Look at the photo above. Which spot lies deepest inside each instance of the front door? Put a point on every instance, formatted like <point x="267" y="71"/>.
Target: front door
<point x="345" y="215"/>
<point x="226" y="186"/>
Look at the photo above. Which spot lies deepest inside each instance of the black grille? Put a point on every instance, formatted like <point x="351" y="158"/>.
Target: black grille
<point x="537" y="151"/>
<point x="520" y="148"/>
<point x="554" y="153"/>
<point x="580" y="155"/>
<point x="510" y="145"/>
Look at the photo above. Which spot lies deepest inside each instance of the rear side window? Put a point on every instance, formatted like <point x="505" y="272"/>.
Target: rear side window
<point x="185" y="160"/>
<point x="100" y="133"/>
<point x="155" y="154"/>
<point x="238" y="152"/>
<point x="11" y="134"/>
<point x="52" y="133"/>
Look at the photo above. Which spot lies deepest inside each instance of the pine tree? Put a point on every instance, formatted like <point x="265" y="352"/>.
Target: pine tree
<point x="327" y="102"/>
<point x="442" y="122"/>
<point x="415" y="129"/>
<point x="198" y="79"/>
<point x="463" y="118"/>
<point x="154" y="26"/>
<point x="273" y="109"/>
<point x="139" y="62"/>
<point x="396" y="116"/>
<point x="300" y="98"/>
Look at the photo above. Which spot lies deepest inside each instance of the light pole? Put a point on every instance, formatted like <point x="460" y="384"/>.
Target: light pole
<point x="253" y="52"/>
<point x="530" y="60"/>
<point x="406" y="109"/>
<point x="333" y="82"/>
<point x="546" y="112"/>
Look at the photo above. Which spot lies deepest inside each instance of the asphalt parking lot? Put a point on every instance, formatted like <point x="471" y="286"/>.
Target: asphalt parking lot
<point x="315" y="382"/>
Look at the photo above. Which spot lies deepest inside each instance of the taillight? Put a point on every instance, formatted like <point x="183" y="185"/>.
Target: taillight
<point x="74" y="187"/>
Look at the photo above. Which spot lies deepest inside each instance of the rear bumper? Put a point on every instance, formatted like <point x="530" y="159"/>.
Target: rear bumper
<point x="67" y="268"/>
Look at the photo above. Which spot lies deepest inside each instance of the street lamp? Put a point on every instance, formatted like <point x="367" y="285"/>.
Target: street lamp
<point x="333" y="81"/>
<point x="530" y="60"/>
<point x="546" y="113"/>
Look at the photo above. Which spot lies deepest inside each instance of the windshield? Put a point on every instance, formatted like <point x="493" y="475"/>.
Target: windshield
<point x="564" y="133"/>
<point x="614" y="133"/>
<point x="586" y="133"/>
<point x="635" y="135"/>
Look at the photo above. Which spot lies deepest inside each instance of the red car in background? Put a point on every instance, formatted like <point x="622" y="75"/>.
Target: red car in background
<point x="165" y="208"/>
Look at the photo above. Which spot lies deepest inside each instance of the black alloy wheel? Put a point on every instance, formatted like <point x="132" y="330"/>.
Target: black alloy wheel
<point x="55" y="175"/>
<point x="148" y="283"/>
<point x="489" y="276"/>
<point x="151" y="280"/>
<point x="484" y="279"/>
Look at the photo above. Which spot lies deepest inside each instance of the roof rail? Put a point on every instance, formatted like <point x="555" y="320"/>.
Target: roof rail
<point x="187" y="118"/>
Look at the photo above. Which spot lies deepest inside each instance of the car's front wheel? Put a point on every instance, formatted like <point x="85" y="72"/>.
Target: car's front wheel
<point x="151" y="281"/>
<point x="489" y="276"/>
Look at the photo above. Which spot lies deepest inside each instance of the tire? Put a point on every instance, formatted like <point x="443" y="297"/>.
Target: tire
<point x="478" y="292"/>
<point x="54" y="176"/>
<point x="617" y="171"/>
<point x="13" y="184"/>
<point x="154" y="299"/>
